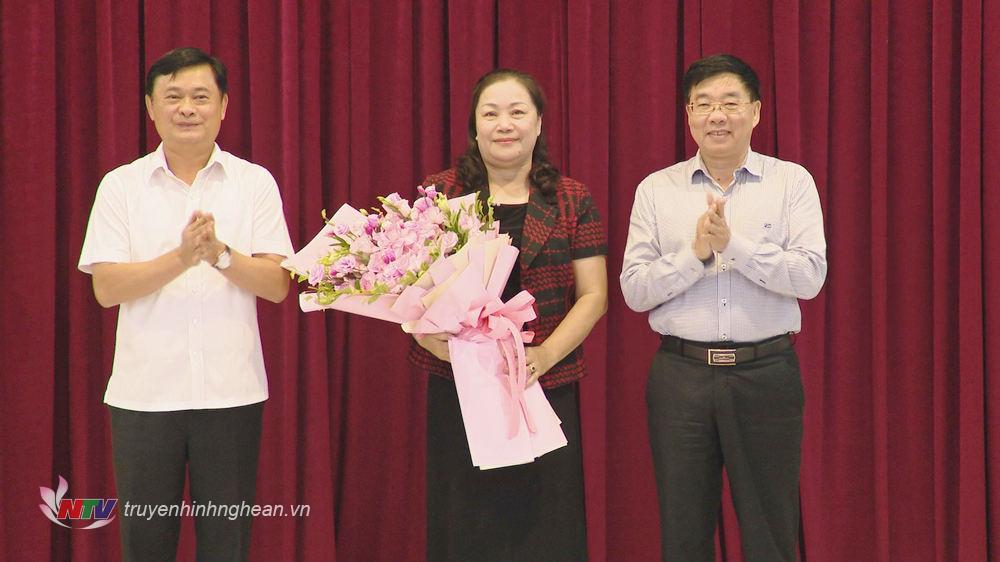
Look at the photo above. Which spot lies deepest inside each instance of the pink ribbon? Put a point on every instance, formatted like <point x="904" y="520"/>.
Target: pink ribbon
<point x="501" y="322"/>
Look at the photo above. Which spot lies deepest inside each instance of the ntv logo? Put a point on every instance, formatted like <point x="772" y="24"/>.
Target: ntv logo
<point x="56" y="507"/>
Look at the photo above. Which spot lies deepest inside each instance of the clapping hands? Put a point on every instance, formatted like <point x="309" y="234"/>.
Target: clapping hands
<point x="712" y="232"/>
<point x="198" y="241"/>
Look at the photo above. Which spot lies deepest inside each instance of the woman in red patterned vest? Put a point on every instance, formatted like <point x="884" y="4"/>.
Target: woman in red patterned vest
<point x="533" y="511"/>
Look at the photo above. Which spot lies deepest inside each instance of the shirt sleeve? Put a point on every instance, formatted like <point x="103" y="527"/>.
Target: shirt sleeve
<point x="107" y="238"/>
<point x="590" y="239"/>
<point x="270" y="232"/>
<point x="799" y="268"/>
<point x="650" y="278"/>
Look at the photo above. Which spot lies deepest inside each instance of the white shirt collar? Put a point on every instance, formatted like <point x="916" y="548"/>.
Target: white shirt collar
<point x="159" y="161"/>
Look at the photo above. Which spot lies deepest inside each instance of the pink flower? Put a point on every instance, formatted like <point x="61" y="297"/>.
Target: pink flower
<point x="368" y="281"/>
<point x="448" y="241"/>
<point x="396" y="205"/>
<point x="391" y="275"/>
<point x="345" y="265"/>
<point x="371" y="224"/>
<point x="469" y="222"/>
<point x="375" y="263"/>
<point x="433" y="215"/>
<point x="316" y="274"/>
<point x="358" y="228"/>
<point x="430" y="191"/>
<point x="362" y="245"/>
<point x="412" y="232"/>
<point x="417" y="258"/>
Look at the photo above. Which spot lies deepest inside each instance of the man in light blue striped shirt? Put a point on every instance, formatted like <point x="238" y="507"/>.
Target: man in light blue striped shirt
<point x="720" y="247"/>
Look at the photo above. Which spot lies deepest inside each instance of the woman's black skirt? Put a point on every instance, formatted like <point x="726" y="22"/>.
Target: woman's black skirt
<point x="528" y="512"/>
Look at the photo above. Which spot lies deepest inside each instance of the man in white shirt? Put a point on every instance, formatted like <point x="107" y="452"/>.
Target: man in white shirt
<point x="185" y="239"/>
<point x="720" y="249"/>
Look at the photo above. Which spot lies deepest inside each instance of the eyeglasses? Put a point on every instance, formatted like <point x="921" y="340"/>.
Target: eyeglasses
<point x="727" y="107"/>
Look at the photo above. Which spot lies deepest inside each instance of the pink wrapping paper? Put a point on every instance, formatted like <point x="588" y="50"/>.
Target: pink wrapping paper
<point x="506" y="424"/>
<point x="486" y="404"/>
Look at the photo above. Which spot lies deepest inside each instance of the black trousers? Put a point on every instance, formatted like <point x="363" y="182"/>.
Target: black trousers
<point x="527" y="513"/>
<point x="747" y="418"/>
<point x="153" y="450"/>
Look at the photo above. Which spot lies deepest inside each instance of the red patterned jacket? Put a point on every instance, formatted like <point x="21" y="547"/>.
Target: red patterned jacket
<point x="553" y="236"/>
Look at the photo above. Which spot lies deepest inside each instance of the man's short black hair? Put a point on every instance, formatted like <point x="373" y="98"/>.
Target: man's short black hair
<point x="186" y="57"/>
<point x="706" y="68"/>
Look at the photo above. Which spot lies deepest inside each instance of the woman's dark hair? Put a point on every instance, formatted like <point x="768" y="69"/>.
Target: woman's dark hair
<point x="705" y="68"/>
<point x="471" y="169"/>
<point x="186" y="57"/>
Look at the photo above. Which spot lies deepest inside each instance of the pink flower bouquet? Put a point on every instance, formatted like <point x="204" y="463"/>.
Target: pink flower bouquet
<point x="379" y="252"/>
<point x="439" y="265"/>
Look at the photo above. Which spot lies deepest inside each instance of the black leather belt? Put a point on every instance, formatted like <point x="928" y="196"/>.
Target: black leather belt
<point x="725" y="354"/>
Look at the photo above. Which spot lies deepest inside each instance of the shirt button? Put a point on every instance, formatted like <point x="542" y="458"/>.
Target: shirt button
<point x="723" y="267"/>
<point x="724" y="301"/>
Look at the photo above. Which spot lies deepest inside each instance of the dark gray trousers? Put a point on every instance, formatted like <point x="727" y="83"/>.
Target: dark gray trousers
<point x="152" y="452"/>
<point x="747" y="418"/>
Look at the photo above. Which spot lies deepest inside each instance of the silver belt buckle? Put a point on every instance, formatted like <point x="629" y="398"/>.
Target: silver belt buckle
<point x="722" y="357"/>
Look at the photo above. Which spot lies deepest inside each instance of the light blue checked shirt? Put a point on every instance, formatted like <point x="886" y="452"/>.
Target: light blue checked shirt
<point x="776" y="252"/>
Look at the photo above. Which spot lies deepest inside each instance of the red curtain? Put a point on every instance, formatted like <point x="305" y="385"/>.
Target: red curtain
<point x="885" y="103"/>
